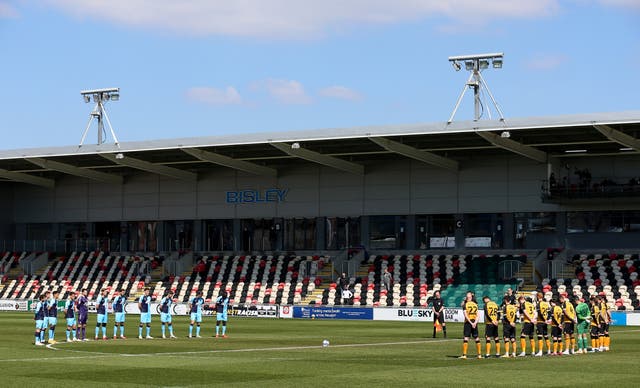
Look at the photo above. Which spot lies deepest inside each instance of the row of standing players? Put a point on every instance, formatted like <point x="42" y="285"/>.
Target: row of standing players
<point x="565" y="315"/>
<point x="76" y="311"/>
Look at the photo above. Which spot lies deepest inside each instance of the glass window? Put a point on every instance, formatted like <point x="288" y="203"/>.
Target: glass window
<point x="219" y="235"/>
<point x="342" y="232"/>
<point x="300" y="233"/>
<point x="535" y="222"/>
<point x="478" y="230"/>
<point x="603" y="222"/>
<point x="442" y="231"/>
<point x="387" y="232"/>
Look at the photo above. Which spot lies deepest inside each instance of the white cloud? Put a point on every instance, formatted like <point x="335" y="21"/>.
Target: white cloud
<point x="7" y="10"/>
<point x="295" y="18"/>
<point x="341" y="92"/>
<point x="547" y="61"/>
<point x="214" y="96"/>
<point x="285" y="91"/>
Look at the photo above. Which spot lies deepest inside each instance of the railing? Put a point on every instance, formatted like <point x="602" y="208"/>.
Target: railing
<point x="556" y="269"/>
<point x="508" y="269"/>
<point x="66" y="245"/>
<point x="600" y="188"/>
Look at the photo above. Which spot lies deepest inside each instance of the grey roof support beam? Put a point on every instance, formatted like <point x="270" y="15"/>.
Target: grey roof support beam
<point x="77" y="171"/>
<point x="514" y="146"/>
<point x="414" y="153"/>
<point x="151" y="167"/>
<point x="619" y="137"/>
<point x="27" y="178"/>
<point x="316" y="157"/>
<point x="226" y="161"/>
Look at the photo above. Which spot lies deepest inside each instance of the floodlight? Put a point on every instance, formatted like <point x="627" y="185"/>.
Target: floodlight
<point x="474" y="64"/>
<point x="100" y="97"/>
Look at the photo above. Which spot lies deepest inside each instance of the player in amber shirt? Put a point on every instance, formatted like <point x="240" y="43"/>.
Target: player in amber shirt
<point x="569" y="324"/>
<point x="544" y="310"/>
<point x="509" y="312"/>
<point x="604" y="324"/>
<point x="556" y="326"/>
<point x="595" y="323"/>
<point x="491" y="325"/>
<point x="528" y="311"/>
<point x="470" y="308"/>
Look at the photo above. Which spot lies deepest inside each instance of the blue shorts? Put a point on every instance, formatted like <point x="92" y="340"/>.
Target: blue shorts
<point x="165" y="317"/>
<point x="101" y="318"/>
<point x="145" y="317"/>
<point x="40" y="324"/>
<point x="119" y="317"/>
<point x="196" y="317"/>
<point x="221" y="316"/>
<point x="53" y="321"/>
<point x="46" y="321"/>
<point x="71" y="322"/>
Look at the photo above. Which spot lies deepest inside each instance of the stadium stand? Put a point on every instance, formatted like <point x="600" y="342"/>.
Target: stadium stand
<point x="297" y="279"/>
<point x="614" y="276"/>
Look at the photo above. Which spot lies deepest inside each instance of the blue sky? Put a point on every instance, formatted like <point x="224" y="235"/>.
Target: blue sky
<point x="208" y="67"/>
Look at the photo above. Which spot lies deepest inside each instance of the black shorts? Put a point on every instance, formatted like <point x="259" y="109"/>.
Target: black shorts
<point x="527" y="330"/>
<point x="595" y="331"/>
<point x="542" y="329"/>
<point x="568" y="327"/>
<point x="491" y="331"/>
<point x="508" y="331"/>
<point x="470" y="331"/>
<point x="556" y="331"/>
<point x="603" y="329"/>
<point x="439" y="318"/>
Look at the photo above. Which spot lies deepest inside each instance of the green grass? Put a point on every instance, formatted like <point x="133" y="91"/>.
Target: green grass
<point x="270" y="352"/>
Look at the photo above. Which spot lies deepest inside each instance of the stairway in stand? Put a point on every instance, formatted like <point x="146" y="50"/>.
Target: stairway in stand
<point x="526" y="274"/>
<point x="318" y="292"/>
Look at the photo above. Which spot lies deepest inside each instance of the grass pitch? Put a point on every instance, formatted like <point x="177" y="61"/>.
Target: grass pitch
<point x="270" y="352"/>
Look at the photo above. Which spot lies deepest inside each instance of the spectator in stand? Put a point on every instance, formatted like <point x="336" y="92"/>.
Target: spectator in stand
<point x="386" y="280"/>
<point x="344" y="284"/>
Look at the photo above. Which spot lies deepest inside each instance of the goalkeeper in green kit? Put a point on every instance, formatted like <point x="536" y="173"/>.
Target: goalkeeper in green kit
<point x="583" y="314"/>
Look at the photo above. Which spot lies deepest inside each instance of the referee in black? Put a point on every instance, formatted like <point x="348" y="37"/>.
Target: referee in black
<point x="438" y="313"/>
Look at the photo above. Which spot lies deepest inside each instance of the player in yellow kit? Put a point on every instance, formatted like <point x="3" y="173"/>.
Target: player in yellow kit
<point x="595" y="323"/>
<point x="470" y="308"/>
<point x="509" y="312"/>
<point x="556" y="327"/>
<point x="569" y="322"/>
<point x="604" y="324"/>
<point x="491" y="325"/>
<point x="528" y="311"/>
<point x="544" y="310"/>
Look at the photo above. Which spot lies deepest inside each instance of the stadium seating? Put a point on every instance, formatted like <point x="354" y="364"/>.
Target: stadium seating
<point x="247" y="279"/>
<point x="90" y="270"/>
<point x="614" y="276"/>
<point x="416" y="277"/>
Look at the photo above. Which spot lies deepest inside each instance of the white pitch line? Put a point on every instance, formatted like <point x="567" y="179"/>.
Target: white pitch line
<point x="92" y="355"/>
